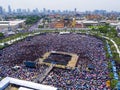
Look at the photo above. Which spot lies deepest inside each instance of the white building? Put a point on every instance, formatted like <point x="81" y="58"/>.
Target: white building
<point x="11" y="25"/>
<point x="23" y="85"/>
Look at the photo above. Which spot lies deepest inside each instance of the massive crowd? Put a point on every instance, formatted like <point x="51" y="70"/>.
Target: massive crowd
<point x="56" y="58"/>
<point x="89" y="49"/>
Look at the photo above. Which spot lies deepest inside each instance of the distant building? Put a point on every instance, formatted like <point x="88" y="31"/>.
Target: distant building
<point x="86" y="23"/>
<point x="11" y="25"/>
<point x="93" y="17"/>
<point x="75" y="11"/>
<point x="9" y="9"/>
<point x="59" y="25"/>
<point x="19" y="10"/>
<point x="118" y="29"/>
<point x="79" y="25"/>
<point x="1" y="10"/>
<point x="90" y="23"/>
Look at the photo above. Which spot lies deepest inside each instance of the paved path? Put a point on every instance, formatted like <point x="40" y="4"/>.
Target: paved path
<point x="116" y="46"/>
<point x="40" y="78"/>
<point x="46" y="73"/>
<point x="114" y="69"/>
<point x="17" y="39"/>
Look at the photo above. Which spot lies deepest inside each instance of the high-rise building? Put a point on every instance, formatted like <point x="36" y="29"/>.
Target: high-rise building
<point x="44" y="10"/>
<point x="14" y="11"/>
<point x="75" y="10"/>
<point x="1" y="10"/>
<point x="24" y="10"/>
<point x="19" y="10"/>
<point x="9" y="9"/>
<point x="28" y="10"/>
<point x="37" y="11"/>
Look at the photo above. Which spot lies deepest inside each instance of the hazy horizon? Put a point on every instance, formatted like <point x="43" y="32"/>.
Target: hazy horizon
<point x="81" y="5"/>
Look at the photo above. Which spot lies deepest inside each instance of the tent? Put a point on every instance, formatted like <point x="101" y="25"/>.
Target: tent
<point x="30" y="64"/>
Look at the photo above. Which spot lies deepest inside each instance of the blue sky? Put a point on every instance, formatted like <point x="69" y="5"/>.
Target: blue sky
<point x="81" y="5"/>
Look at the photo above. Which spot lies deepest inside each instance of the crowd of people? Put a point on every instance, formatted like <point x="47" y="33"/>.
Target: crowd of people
<point x="89" y="49"/>
<point x="79" y="78"/>
<point x="56" y="58"/>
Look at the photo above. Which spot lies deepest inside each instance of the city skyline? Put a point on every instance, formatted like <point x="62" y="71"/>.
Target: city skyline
<point x="81" y="5"/>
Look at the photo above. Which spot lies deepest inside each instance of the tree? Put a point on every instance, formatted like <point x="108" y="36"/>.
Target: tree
<point x="32" y="19"/>
<point x="113" y="83"/>
<point x="40" y="26"/>
<point x="1" y="35"/>
<point x="103" y="29"/>
<point x="111" y="75"/>
<point x="109" y="66"/>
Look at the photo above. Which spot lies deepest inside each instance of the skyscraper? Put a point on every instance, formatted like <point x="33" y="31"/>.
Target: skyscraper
<point x="1" y="10"/>
<point x="9" y="9"/>
<point x="44" y="10"/>
<point x="75" y="11"/>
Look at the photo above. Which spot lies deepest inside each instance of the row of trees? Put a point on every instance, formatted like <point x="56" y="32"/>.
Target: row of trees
<point x="113" y="82"/>
<point x="106" y="29"/>
<point x="32" y="19"/>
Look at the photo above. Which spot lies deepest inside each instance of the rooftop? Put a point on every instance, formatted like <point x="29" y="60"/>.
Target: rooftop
<point x="22" y="83"/>
<point x="11" y="23"/>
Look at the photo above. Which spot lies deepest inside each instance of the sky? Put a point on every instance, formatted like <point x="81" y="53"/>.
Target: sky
<point x="80" y="5"/>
